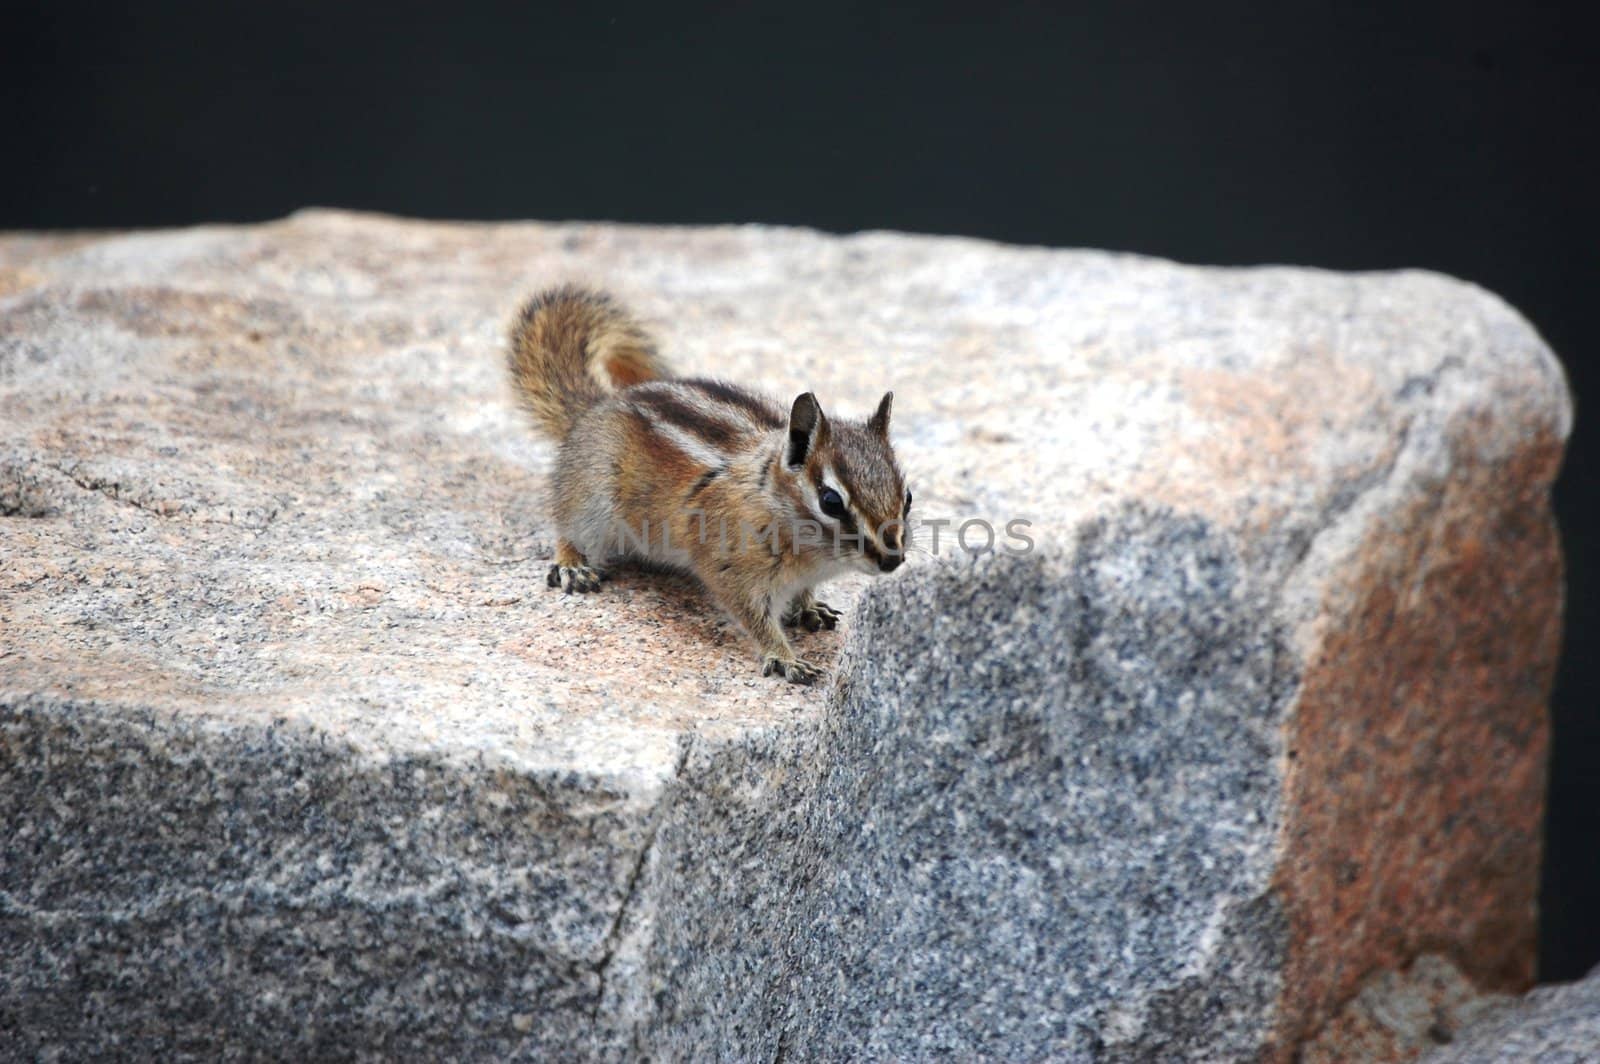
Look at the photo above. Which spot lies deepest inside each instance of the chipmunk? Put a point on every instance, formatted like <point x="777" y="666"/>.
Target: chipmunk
<point x="701" y="475"/>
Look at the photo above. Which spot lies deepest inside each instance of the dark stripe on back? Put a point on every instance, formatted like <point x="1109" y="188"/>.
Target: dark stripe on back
<point x="761" y="411"/>
<point x="646" y="425"/>
<point x="705" y="480"/>
<point x="674" y="411"/>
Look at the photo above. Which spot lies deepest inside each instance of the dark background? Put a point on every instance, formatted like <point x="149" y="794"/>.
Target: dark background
<point x="1452" y="136"/>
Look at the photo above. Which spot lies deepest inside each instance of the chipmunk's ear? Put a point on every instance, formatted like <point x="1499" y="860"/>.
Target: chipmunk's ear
<point x="879" y="421"/>
<point x="806" y="427"/>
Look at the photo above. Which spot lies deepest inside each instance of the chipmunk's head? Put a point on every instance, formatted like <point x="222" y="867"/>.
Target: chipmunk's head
<point x="843" y="476"/>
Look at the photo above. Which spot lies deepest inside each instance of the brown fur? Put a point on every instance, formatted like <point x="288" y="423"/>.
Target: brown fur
<point x="701" y="475"/>
<point x="569" y="346"/>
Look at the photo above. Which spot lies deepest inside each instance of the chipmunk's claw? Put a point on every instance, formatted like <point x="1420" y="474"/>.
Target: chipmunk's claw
<point x="570" y="578"/>
<point x="814" y="617"/>
<point x="826" y="617"/>
<point x="794" y="670"/>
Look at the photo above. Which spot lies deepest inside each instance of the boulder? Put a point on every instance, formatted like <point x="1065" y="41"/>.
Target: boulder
<point x="299" y="757"/>
<point x="1556" y="1024"/>
<point x="1400" y="1014"/>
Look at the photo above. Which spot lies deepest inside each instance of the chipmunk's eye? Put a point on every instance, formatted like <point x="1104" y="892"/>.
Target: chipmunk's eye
<point x="832" y="504"/>
<point x="908" y="500"/>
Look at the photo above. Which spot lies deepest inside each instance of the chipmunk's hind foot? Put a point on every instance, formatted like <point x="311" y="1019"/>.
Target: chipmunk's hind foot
<point x="812" y="616"/>
<point x="572" y="571"/>
<point x="794" y="670"/>
<point x="579" y="578"/>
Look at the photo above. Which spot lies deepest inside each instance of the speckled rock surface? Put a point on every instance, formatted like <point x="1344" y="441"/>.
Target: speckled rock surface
<point x="1399" y="1015"/>
<point x="1557" y="1024"/>
<point x="298" y="756"/>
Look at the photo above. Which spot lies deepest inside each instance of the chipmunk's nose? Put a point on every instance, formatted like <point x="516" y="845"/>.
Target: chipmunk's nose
<point x="890" y="562"/>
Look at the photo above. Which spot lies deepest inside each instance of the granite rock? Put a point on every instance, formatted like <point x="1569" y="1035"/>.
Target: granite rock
<point x="300" y="758"/>
<point x="1557" y="1024"/>
<point x="1398" y="1015"/>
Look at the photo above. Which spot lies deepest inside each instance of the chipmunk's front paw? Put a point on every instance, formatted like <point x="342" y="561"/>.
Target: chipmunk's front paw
<point x="814" y="616"/>
<point x="794" y="670"/>
<point x="570" y="578"/>
<point x="820" y="615"/>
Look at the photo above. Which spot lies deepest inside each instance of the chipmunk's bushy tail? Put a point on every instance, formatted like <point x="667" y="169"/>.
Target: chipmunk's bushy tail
<point x="569" y="346"/>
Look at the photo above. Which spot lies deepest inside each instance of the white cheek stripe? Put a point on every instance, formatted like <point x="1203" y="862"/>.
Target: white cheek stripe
<point x="831" y="480"/>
